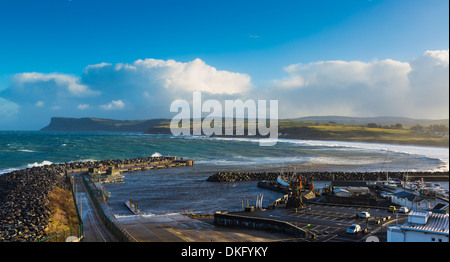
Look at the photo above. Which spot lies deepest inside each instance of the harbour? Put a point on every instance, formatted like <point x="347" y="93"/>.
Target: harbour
<point x="289" y="208"/>
<point x="314" y="220"/>
<point x="222" y="176"/>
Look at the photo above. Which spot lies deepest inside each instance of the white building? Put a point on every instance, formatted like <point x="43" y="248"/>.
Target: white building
<point x="412" y="201"/>
<point x="421" y="226"/>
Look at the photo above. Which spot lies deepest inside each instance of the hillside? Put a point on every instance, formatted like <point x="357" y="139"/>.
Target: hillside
<point x="394" y="131"/>
<point x="435" y="135"/>
<point x="380" y="120"/>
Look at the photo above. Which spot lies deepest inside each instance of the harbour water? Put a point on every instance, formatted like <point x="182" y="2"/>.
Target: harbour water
<point x="184" y="189"/>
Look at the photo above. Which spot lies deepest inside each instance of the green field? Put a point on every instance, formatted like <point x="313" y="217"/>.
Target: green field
<point x="429" y="135"/>
<point x="331" y="131"/>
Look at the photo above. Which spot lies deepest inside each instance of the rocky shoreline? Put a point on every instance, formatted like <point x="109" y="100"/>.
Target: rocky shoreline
<point x="24" y="195"/>
<point x="24" y="211"/>
<point x="233" y="176"/>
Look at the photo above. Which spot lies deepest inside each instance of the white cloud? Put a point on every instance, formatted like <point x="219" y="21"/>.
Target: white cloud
<point x="100" y="65"/>
<point x="8" y="108"/>
<point x="150" y="85"/>
<point x="418" y="88"/>
<point x="83" y="106"/>
<point x="146" y="88"/>
<point x="68" y="82"/>
<point x="192" y="76"/>
<point x="114" y="105"/>
<point x="429" y="82"/>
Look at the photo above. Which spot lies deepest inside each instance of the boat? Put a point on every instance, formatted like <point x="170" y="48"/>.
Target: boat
<point x="294" y="180"/>
<point x="282" y="181"/>
<point x="389" y="184"/>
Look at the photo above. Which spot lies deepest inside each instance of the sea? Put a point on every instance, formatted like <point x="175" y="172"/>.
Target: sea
<point x="185" y="189"/>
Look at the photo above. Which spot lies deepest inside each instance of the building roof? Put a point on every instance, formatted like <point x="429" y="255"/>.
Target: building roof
<point x="436" y="223"/>
<point x="411" y="197"/>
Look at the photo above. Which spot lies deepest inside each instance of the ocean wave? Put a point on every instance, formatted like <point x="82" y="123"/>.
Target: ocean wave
<point x="128" y="217"/>
<point x="7" y="170"/>
<point x="36" y="164"/>
<point x="26" y="150"/>
<point x="345" y="161"/>
<point x="438" y="153"/>
<point x="248" y="161"/>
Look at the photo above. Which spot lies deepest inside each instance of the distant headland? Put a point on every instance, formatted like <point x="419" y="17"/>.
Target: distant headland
<point x="391" y="130"/>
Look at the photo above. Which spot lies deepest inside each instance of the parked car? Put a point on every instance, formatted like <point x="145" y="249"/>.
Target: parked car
<point x="403" y="210"/>
<point x="353" y="229"/>
<point x="364" y="214"/>
<point x="392" y="209"/>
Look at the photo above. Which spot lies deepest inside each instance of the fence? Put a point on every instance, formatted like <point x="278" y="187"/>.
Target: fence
<point x="62" y="235"/>
<point x="117" y="231"/>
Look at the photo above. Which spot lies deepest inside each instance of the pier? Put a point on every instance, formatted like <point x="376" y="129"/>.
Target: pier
<point x="110" y="171"/>
<point x="133" y="207"/>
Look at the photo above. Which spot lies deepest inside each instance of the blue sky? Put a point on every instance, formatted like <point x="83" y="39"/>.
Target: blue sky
<point x="266" y="45"/>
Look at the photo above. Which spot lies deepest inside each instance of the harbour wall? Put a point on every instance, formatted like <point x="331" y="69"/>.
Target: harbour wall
<point x="232" y="220"/>
<point x="233" y="176"/>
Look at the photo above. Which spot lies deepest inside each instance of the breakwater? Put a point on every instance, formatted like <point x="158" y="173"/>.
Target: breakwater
<point x="233" y="176"/>
<point x="128" y="165"/>
<point x="24" y="194"/>
<point x="24" y="199"/>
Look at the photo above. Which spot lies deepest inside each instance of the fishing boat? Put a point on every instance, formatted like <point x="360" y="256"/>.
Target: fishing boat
<point x="282" y="181"/>
<point x="294" y="180"/>
<point x="389" y="184"/>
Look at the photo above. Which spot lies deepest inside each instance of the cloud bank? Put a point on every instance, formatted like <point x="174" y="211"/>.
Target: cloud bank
<point x="145" y="89"/>
<point x="418" y="88"/>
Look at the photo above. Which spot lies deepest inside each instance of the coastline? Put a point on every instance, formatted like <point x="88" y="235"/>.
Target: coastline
<point x="432" y="152"/>
<point x="12" y="193"/>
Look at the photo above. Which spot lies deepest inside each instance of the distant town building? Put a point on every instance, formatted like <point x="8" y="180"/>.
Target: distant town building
<point x="421" y="226"/>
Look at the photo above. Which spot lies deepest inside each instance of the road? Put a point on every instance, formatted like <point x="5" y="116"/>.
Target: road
<point x="181" y="228"/>
<point x="94" y="229"/>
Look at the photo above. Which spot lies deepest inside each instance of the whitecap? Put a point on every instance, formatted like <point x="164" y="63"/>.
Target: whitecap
<point x="43" y="163"/>
<point x="7" y="170"/>
<point x="26" y="150"/>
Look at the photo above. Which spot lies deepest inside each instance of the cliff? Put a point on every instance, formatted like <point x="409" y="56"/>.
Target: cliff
<point x="99" y="124"/>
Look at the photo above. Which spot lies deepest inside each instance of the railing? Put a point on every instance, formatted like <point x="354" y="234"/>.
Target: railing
<point x="63" y="235"/>
<point x="118" y="232"/>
